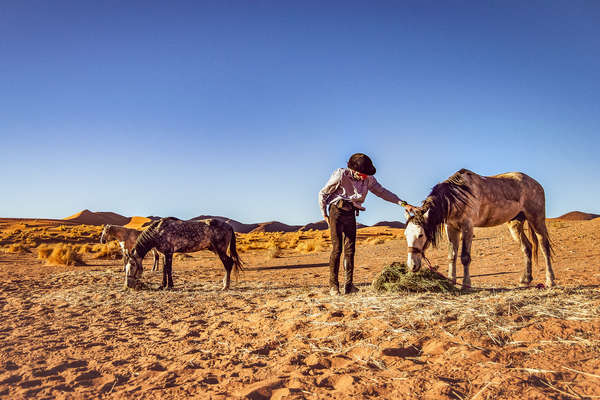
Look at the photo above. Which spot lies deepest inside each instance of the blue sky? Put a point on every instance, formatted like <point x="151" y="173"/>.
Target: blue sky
<point x="244" y="108"/>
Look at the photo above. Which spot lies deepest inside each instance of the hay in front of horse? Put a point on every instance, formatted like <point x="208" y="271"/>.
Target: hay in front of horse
<point x="396" y="277"/>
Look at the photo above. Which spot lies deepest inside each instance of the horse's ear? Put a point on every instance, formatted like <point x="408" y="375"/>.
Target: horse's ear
<point x="407" y="215"/>
<point x="426" y="214"/>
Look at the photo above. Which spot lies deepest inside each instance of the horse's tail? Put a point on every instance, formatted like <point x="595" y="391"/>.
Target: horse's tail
<point x="534" y="243"/>
<point x="238" y="265"/>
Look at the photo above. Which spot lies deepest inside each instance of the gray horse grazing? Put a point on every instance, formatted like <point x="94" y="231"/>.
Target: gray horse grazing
<point x="171" y="235"/>
<point x="467" y="200"/>
<point x="126" y="238"/>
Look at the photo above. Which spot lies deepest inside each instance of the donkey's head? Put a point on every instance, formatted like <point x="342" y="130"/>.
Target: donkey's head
<point x="105" y="233"/>
<point x="133" y="269"/>
<point x="417" y="239"/>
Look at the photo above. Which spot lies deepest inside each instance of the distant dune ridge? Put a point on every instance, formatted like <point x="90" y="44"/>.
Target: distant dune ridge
<point x="88" y="217"/>
<point x="578" y="216"/>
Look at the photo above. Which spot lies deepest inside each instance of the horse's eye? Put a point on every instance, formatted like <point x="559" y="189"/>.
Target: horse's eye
<point x="420" y="235"/>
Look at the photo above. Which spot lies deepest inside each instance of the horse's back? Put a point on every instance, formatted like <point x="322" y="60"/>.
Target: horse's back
<point x="499" y="198"/>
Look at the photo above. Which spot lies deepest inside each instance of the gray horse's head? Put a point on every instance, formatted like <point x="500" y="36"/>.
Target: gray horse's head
<point x="133" y="269"/>
<point x="416" y="238"/>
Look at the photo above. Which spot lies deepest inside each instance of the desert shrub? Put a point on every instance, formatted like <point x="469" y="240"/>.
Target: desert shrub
<point x="108" y="251"/>
<point x="310" y="245"/>
<point x="65" y="254"/>
<point x="375" y="240"/>
<point x="396" y="277"/>
<point x="17" y="248"/>
<point x="243" y="247"/>
<point x="182" y="256"/>
<point x="44" y="251"/>
<point x="84" y="249"/>
<point x="274" y="248"/>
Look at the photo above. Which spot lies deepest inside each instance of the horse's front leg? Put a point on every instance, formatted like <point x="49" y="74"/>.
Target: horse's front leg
<point x="465" y="255"/>
<point x="169" y="264"/>
<point x="167" y="275"/>
<point x="453" y="238"/>
<point x="156" y="260"/>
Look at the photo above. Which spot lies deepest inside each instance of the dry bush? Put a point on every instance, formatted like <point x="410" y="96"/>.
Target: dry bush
<point x="274" y="248"/>
<point x="65" y="254"/>
<point x="17" y="248"/>
<point x="182" y="257"/>
<point x="311" y="245"/>
<point x="84" y="249"/>
<point x="375" y="240"/>
<point x="44" y="251"/>
<point x="108" y="251"/>
<point x="243" y="247"/>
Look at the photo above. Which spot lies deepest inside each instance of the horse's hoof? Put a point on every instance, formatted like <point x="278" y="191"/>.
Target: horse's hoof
<point x="550" y="284"/>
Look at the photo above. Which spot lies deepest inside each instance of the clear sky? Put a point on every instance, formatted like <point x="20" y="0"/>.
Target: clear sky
<point x="245" y="108"/>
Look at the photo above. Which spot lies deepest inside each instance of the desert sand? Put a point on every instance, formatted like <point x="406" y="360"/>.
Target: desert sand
<point x="74" y="332"/>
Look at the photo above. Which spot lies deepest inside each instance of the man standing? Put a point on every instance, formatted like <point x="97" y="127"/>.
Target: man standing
<point x="343" y="195"/>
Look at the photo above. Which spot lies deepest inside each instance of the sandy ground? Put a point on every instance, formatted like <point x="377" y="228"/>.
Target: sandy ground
<point x="74" y="332"/>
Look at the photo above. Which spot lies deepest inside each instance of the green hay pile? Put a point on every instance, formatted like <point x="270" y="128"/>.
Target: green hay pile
<point x="396" y="277"/>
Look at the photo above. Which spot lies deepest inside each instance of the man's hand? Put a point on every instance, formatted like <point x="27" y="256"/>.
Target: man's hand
<point x="410" y="209"/>
<point x="326" y="219"/>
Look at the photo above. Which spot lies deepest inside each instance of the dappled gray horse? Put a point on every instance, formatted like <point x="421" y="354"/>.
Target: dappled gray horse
<point x="171" y="235"/>
<point x="467" y="200"/>
<point x="126" y="238"/>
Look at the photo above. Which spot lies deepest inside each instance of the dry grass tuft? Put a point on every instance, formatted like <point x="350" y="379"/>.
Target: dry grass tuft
<point x="274" y="248"/>
<point x="108" y="251"/>
<point x="183" y="257"/>
<point x="44" y="251"/>
<point x="17" y="248"/>
<point x="64" y="254"/>
<point x="397" y="278"/>
<point x="311" y="245"/>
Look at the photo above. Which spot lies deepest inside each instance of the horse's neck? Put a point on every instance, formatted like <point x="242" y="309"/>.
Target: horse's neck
<point x="119" y="234"/>
<point x="144" y="244"/>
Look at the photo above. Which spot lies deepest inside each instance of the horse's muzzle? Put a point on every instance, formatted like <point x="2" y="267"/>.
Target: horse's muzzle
<point x="413" y="259"/>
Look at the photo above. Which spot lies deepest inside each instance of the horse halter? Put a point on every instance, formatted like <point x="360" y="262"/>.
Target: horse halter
<point x="416" y="250"/>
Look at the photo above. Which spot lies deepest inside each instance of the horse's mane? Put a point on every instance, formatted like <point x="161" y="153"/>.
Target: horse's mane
<point x="445" y="198"/>
<point x="147" y="239"/>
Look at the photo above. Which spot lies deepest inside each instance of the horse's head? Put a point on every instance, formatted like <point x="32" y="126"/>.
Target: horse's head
<point x="104" y="236"/>
<point x="416" y="238"/>
<point x="133" y="269"/>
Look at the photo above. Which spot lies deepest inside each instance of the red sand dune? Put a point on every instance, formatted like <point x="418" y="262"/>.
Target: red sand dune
<point x="578" y="216"/>
<point x="391" y="224"/>
<point x="276" y="226"/>
<point x="88" y="217"/>
<point x="137" y="222"/>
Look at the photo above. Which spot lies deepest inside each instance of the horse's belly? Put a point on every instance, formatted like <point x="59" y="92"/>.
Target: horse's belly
<point x="497" y="215"/>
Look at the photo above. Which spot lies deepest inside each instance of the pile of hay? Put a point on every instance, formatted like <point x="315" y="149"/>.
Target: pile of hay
<point x="396" y="277"/>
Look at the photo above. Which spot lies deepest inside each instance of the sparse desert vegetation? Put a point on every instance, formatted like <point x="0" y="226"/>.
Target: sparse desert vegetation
<point x="279" y="334"/>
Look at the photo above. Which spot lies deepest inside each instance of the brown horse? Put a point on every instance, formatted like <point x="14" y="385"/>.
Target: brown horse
<point x="126" y="238"/>
<point x="171" y="235"/>
<point x="467" y="200"/>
